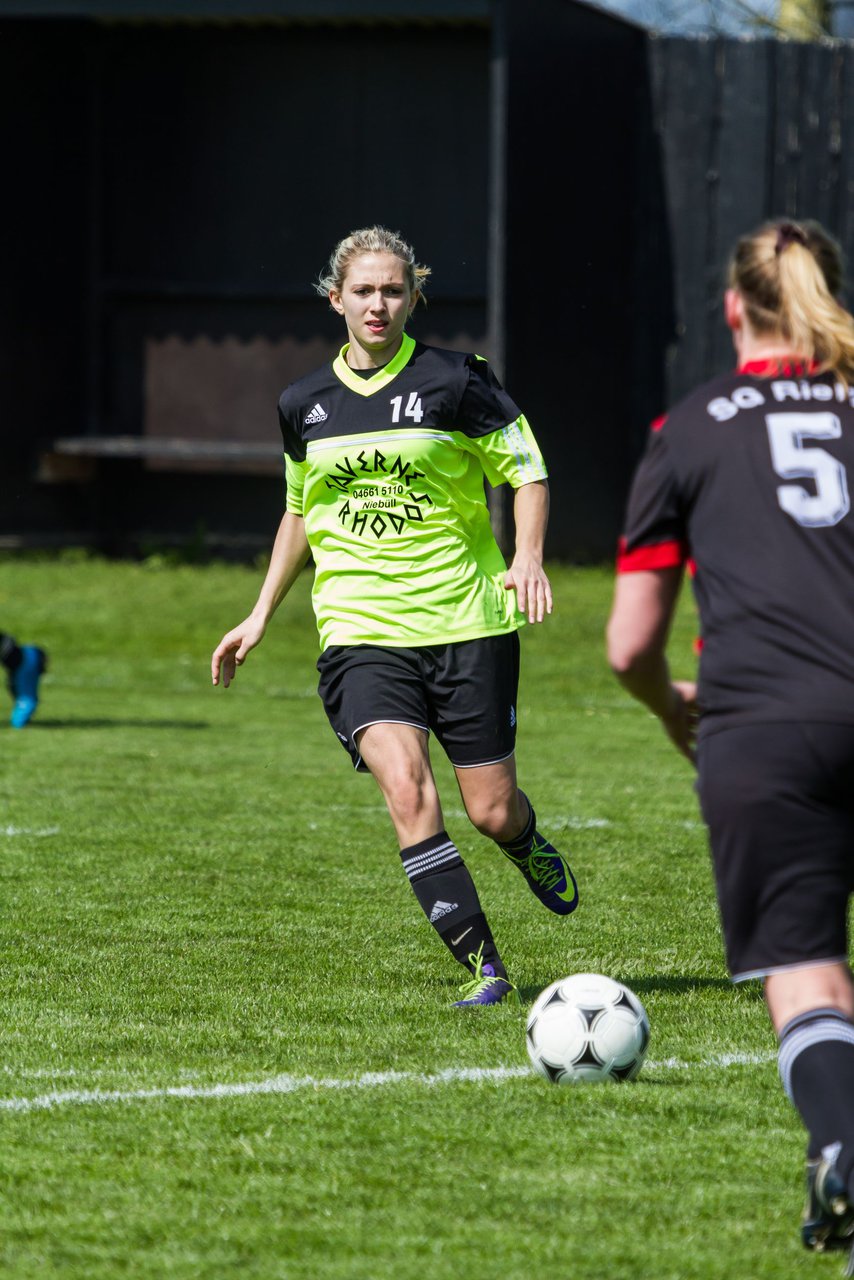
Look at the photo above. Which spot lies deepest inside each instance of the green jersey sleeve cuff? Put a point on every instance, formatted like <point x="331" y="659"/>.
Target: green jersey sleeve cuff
<point x="510" y="455"/>
<point x="295" y="473"/>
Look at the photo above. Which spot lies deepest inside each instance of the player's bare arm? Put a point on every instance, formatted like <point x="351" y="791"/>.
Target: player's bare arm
<point x="526" y="574"/>
<point x="289" y="556"/>
<point x="644" y="603"/>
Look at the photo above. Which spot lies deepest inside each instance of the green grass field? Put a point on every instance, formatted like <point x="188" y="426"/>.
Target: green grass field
<point x="227" y="1046"/>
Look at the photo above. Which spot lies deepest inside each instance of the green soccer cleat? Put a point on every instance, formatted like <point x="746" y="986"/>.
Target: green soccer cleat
<point x="548" y="875"/>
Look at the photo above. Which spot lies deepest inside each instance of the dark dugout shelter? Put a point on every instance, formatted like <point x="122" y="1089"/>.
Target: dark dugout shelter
<point x="178" y="170"/>
<point x="178" y="174"/>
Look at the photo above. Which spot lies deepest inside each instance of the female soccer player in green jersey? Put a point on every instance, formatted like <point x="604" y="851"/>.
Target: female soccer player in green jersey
<point x="386" y="451"/>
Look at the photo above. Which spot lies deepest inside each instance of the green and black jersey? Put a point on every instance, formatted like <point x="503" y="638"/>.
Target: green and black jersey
<point x="388" y="473"/>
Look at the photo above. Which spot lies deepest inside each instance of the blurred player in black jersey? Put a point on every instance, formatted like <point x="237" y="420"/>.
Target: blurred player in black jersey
<point x="750" y="478"/>
<point x="386" y="451"/>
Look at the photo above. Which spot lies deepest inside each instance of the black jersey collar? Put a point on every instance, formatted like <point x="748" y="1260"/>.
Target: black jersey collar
<point x="385" y="375"/>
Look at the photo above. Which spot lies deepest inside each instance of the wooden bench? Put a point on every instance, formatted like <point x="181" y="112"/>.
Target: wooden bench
<point x="79" y="459"/>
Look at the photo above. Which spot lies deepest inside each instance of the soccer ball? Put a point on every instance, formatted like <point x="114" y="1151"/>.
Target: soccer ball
<point x="587" y="1027"/>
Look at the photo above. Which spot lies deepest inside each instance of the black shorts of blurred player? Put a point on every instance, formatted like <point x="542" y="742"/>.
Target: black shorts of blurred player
<point x="778" y="800"/>
<point x="465" y="693"/>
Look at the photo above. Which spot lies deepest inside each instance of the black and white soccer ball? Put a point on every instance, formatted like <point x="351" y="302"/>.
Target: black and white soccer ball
<point x="587" y="1027"/>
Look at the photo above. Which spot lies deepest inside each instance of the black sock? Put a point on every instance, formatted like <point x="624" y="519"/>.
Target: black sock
<point x="10" y="654"/>
<point x="521" y="844"/>
<point x="442" y="884"/>
<point x="816" y="1061"/>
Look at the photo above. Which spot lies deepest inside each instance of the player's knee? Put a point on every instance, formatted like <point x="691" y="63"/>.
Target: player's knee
<point x="494" y="817"/>
<point x="808" y="987"/>
<point x="409" y="791"/>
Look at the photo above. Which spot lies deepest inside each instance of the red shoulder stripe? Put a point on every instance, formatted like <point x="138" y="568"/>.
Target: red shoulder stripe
<point x="661" y="555"/>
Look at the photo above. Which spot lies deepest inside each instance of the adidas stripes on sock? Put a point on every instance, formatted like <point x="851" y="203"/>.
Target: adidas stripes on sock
<point x="816" y="1061"/>
<point x="442" y="884"/>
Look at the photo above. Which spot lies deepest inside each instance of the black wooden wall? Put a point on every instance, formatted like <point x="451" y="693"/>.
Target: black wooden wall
<point x="176" y="188"/>
<point x="578" y="118"/>
<point x="746" y="130"/>
<point x="634" y="163"/>
<point x="44" y="314"/>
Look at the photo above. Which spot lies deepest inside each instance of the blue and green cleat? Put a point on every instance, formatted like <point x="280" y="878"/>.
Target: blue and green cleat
<point x="485" y="987"/>
<point x="24" y="684"/>
<point x="548" y="875"/>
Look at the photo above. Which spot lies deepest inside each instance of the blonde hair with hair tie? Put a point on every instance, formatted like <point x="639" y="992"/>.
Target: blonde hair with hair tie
<point x="788" y="275"/>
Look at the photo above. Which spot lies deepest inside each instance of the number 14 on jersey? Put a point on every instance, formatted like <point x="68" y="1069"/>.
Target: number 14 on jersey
<point x="413" y="408"/>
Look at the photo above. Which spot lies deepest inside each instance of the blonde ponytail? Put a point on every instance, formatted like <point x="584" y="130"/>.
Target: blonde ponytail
<point x="788" y="275"/>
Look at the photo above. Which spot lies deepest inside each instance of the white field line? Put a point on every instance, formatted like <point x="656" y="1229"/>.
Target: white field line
<point x="29" y="831"/>
<point x="370" y="1080"/>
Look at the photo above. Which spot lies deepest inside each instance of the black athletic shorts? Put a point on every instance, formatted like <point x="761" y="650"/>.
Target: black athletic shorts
<point x="464" y="692"/>
<point x="778" y="800"/>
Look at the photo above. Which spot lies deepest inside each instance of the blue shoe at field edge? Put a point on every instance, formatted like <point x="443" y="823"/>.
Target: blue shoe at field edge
<point x="485" y="987"/>
<point x="24" y="684"/>
<point x="548" y="875"/>
<point x="828" y="1219"/>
